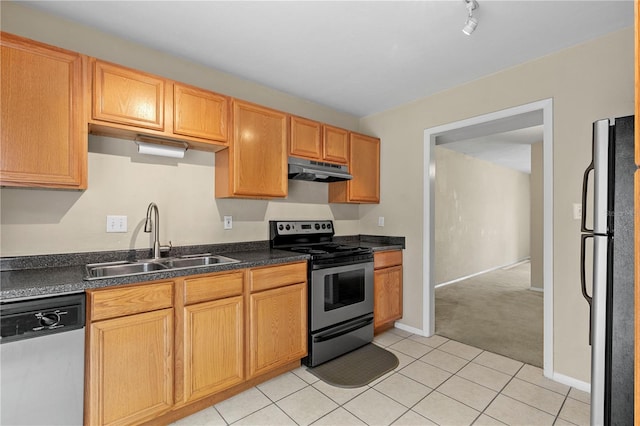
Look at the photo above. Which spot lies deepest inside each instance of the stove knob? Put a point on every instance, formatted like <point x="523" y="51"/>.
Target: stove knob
<point x="288" y="227"/>
<point x="328" y="226"/>
<point x="317" y="226"/>
<point x="324" y="226"/>
<point x="280" y="227"/>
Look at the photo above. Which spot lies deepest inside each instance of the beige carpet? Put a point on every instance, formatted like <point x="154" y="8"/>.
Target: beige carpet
<point x="496" y="312"/>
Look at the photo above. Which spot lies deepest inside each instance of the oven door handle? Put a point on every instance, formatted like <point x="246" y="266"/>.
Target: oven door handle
<point x="342" y="330"/>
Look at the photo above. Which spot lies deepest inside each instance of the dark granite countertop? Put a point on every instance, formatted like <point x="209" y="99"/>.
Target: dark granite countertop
<point x="47" y="275"/>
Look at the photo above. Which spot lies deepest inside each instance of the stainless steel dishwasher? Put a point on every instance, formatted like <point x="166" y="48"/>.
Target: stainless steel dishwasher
<point x="42" y="361"/>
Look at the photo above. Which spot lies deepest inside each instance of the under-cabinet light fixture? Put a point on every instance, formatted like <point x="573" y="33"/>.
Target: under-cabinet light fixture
<point x="160" y="147"/>
<point x="472" y="22"/>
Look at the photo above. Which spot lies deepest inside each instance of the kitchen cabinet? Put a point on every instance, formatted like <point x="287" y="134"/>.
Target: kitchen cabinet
<point x="128" y="102"/>
<point x="364" y="165"/>
<point x="315" y="141"/>
<point x="43" y="123"/>
<point x="387" y="288"/>
<point x="277" y="316"/>
<point x="213" y="334"/>
<point x="255" y="165"/>
<point x="129" y="366"/>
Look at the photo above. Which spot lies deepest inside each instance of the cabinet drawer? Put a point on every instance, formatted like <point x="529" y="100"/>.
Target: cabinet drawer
<point x="111" y="303"/>
<point x="212" y="287"/>
<point x="278" y="276"/>
<point x="383" y="259"/>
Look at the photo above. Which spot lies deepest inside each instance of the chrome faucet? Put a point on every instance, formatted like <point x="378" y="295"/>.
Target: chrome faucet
<point x="156" y="230"/>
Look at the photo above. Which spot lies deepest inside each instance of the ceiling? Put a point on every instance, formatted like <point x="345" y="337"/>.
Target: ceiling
<point x="359" y="57"/>
<point x="510" y="149"/>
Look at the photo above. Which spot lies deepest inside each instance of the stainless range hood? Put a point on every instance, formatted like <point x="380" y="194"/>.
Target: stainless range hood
<point x="317" y="171"/>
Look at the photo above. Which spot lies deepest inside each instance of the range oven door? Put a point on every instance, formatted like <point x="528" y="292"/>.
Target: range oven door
<point x="339" y="294"/>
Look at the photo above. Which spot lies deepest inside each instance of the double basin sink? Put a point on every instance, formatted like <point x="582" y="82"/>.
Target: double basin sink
<point x="126" y="268"/>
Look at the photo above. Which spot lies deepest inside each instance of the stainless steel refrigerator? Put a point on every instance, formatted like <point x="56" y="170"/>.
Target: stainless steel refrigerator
<point x="608" y="237"/>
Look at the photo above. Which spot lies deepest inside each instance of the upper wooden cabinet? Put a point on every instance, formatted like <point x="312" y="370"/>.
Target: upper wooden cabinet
<point x="127" y="102"/>
<point x="315" y="141"/>
<point x="199" y="114"/>
<point x="255" y="165"/>
<point x="335" y="147"/>
<point x="43" y="124"/>
<point x="125" y="96"/>
<point x="364" y="165"/>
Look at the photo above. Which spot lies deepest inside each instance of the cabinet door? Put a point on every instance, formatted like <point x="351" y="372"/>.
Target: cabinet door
<point x="43" y="126"/>
<point x="214" y="348"/>
<point x="336" y="145"/>
<point x="278" y="327"/>
<point x="125" y="96"/>
<point x="130" y="377"/>
<point x="305" y="138"/>
<point x="258" y="151"/>
<point x="199" y="113"/>
<point x="387" y="302"/>
<point x="364" y="165"/>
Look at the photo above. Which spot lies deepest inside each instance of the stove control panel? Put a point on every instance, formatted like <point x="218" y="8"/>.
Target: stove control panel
<point x="301" y="227"/>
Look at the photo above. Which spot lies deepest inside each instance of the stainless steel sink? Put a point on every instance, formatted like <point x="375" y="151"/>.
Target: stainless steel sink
<point x="194" y="262"/>
<point x="117" y="269"/>
<point x="126" y="268"/>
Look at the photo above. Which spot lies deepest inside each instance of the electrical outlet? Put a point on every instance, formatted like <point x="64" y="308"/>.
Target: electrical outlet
<point x="116" y="223"/>
<point x="228" y="222"/>
<point x="577" y="211"/>
<point x="381" y="221"/>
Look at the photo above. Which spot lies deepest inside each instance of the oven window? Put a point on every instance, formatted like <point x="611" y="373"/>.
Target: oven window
<point x="343" y="289"/>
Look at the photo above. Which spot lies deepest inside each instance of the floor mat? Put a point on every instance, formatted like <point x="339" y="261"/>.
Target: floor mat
<point x="357" y="368"/>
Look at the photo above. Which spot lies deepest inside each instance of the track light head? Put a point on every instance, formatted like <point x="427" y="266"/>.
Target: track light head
<point x="472" y="22"/>
<point x="470" y="25"/>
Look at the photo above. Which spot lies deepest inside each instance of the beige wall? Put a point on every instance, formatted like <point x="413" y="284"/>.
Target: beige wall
<point x="482" y="215"/>
<point x="537" y="225"/>
<point x="587" y="82"/>
<point x="122" y="182"/>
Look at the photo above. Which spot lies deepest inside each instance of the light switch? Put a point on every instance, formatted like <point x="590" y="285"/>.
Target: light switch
<point x="116" y="223"/>
<point x="381" y="221"/>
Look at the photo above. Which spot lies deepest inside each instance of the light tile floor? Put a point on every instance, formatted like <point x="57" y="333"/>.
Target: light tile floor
<point x="438" y="382"/>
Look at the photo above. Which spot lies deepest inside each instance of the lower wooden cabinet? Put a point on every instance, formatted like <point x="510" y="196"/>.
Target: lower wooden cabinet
<point x="157" y="350"/>
<point x="129" y="374"/>
<point x="387" y="281"/>
<point x="278" y="317"/>
<point x="213" y="335"/>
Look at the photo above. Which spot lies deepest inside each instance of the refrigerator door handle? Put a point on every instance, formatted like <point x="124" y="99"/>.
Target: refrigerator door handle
<point x="585" y="182"/>
<point x="583" y="278"/>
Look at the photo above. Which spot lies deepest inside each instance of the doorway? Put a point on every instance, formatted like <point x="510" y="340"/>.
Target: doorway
<point x="524" y="116"/>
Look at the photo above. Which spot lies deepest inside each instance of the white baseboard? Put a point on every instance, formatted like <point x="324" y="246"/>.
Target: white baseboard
<point x="570" y="381"/>
<point x="538" y="289"/>
<point x="507" y="266"/>
<point x="410" y="329"/>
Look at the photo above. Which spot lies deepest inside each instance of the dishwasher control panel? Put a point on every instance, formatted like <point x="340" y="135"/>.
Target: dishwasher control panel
<point x="26" y="319"/>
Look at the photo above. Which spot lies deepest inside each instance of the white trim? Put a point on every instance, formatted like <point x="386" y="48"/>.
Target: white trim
<point x="570" y="381"/>
<point x="495" y="268"/>
<point x="409" y="329"/>
<point x="538" y="289"/>
<point x="428" y="273"/>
